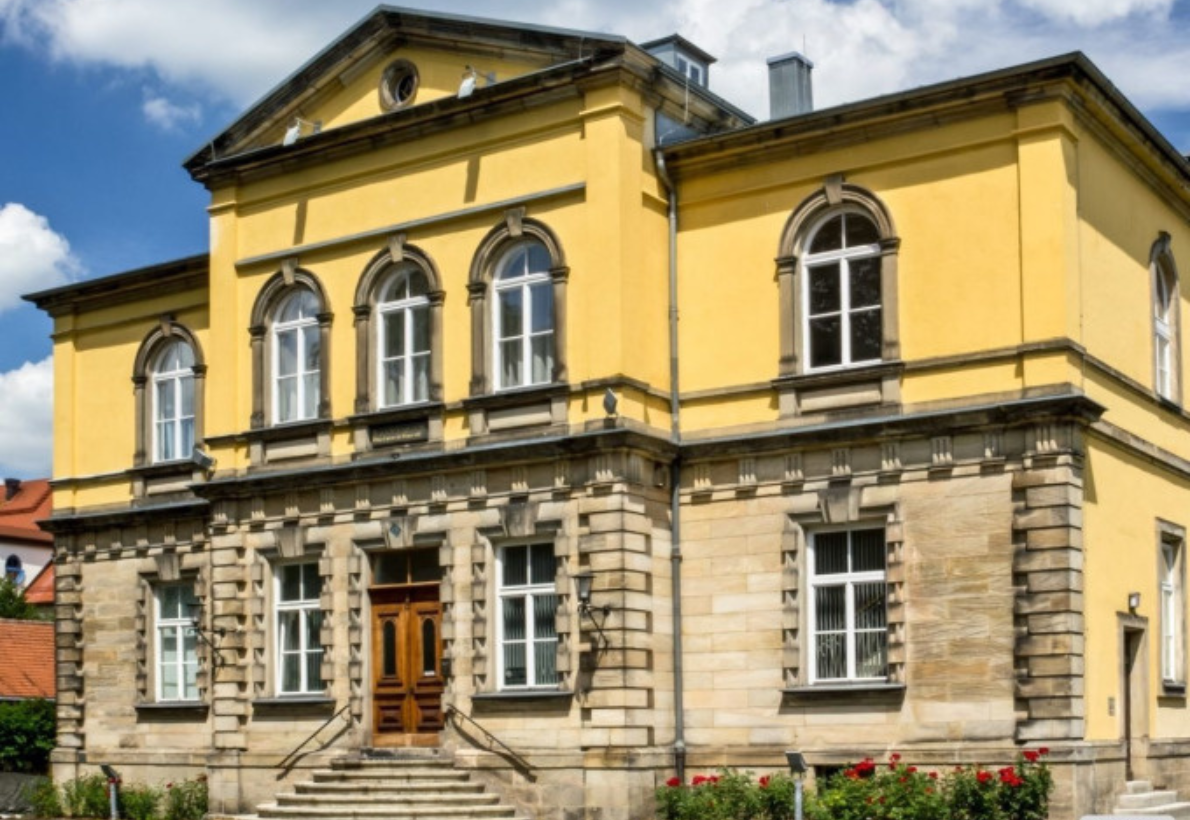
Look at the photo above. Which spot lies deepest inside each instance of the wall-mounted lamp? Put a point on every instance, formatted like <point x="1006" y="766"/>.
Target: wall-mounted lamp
<point x="1133" y="602"/>
<point x="207" y="636"/>
<point x="582" y="588"/>
<point x="798" y="767"/>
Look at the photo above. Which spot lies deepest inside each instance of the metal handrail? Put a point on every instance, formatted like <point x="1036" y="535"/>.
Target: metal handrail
<point x="505" y="750"/>
<point x="292" y="758"/>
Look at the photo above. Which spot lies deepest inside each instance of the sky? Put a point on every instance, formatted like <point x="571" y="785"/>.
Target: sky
<point x="102" y="100"/>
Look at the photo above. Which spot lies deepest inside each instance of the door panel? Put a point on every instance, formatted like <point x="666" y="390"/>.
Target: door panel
<point x="407" y="662"/>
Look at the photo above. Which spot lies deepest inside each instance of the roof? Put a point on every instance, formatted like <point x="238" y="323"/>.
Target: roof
<point x="389" y="23"/>
<point x="960" y="93"/>
<point x="156" y="280"/>
<point x="28" y="668"/>
<point x="40" y="591"/>
<point x="19" y="515"/>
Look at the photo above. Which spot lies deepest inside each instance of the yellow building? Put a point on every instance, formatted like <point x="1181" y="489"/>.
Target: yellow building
<point x="865" y="426"/>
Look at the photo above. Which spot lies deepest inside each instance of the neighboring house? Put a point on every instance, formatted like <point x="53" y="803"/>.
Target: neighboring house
<point x="25" y="549"/>
<point x="40" y="591"/>
<point x="28" y="667"/>
<point x="866" y="425"/>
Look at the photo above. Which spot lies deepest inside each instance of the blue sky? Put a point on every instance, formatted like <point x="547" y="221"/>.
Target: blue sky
<point x="103" y="99"/>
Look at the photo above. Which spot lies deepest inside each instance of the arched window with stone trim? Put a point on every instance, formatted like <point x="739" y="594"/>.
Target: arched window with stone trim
<point x="517" y="294"/>
<point x="837" y="275"/>
<point x="1166" y="321"/>
<point x="168" y="379"/>
<point x="290" y="339"/>
<point x="398" y="315"/>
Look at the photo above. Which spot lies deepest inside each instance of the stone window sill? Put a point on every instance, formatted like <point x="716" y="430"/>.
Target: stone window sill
<point x="522" y="696"/>
<point x="885" y="692"/>
<point x="172" y="710"/>
<point x="1173" y="689"/>
<point x="293" y="703"/>
<point x="517" y="396"/>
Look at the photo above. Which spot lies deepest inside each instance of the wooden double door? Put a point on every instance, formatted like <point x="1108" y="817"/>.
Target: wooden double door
<point x="407" y="680"/>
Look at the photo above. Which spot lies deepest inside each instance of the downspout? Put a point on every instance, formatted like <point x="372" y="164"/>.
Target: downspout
<point x="675" y="479"/>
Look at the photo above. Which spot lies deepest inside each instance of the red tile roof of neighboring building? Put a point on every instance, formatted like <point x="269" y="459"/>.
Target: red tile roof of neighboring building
<point x="19" y="515"/>
<point x="26" y="659"/>
<point x="40" y="591"/>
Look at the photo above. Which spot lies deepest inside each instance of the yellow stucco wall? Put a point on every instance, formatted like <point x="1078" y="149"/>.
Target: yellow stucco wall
<point x="1125" y="497"/>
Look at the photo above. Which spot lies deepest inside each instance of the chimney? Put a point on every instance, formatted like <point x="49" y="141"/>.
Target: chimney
<point x="790" y="91"/>
<point x="12" y="486"/>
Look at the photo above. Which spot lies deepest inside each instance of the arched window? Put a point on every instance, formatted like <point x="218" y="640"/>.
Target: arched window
<point x="297" y="359"/>
<point x="523" y="317"/>
<point x="398" y="326"/>
<point x="168" y="377"/>
<point x="403" y="329"/>
<point x="841" y="292"/>
<point x="837" y="277"/>
<point x="1166" y="323"/>
<point x="13" y="569"/>
<point x="290" y="330"/>
<point x="173" y="402"/>
<point x="517" y="293"/>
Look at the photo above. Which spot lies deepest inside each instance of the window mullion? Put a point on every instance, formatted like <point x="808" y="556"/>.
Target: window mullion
<point x="849" y="621"/>
<point x="530" y="631"/>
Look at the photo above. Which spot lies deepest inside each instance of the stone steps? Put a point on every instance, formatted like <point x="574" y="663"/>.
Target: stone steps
<point x="399" y="785"/>
<point x="1140" y="799"/>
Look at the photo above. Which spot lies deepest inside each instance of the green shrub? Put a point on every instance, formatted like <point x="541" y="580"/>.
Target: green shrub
<point x="867" y="791"/>
<point x="27" y="729"/>
<point x="139" y="802"/>
<point x="42" y="798"/>
<point x="186" y="800"/>
<point x="86" y="797"/>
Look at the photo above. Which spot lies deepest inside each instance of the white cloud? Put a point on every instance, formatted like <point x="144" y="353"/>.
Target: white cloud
<point x="1096" y="12"/>
<point x="169" y="116"/>
<point x="26" y="419"/>
<point x="32" y="255"/>
<point x="860" y="48"/>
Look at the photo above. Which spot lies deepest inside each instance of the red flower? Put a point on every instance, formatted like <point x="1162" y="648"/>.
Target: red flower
<point x="713" y="780"/>
<point x="673" y="782"/>
<point x="698" y="780"/>
<point x="911" y="769"/>
<point x="929" y="790"/>
<point x="865" y="766"/>
<point x="894" y="757"/>
<point x="1044" y="750"/>
<point x="851" y="774"/>
<point x="1031" y="756"/>
<point x="983" y="777"/>
<point x="933" y="775"/>
<point x="169" y="785"/>
<point x="764" y="782"/>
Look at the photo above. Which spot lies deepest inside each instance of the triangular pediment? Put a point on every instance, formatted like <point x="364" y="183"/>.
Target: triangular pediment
<point x="396" y="60"/>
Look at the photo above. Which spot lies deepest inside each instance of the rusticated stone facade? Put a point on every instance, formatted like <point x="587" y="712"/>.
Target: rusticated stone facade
<point x="981" y="524"/>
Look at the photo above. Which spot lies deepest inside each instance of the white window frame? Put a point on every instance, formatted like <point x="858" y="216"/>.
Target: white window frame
<point x="410" y="306"/>
<point x="300" y="328"/>
<point x="525" y="284"/>
<point x="1172" y="602"/>
<point x="844" y="257"/>
<point x="180" y="382"/>
<point x="848" y="580"/>
<point x="304" y="606"/>
<point x="1164" y="335"/>
<point x="528" y="592"/>
<point x="179" y="626"/>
